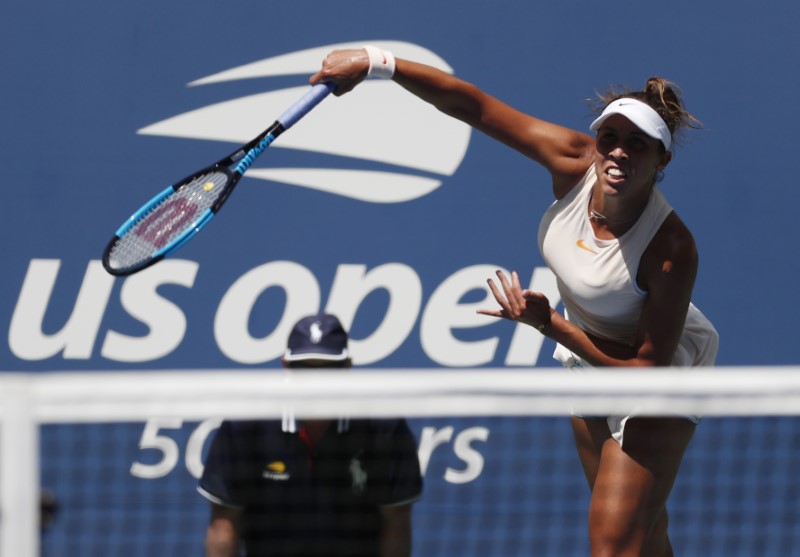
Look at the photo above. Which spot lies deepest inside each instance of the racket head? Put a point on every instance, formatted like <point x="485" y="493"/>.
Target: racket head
<point x="168" y="220"/>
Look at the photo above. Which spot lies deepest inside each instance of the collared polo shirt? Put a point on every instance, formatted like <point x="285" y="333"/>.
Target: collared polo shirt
<point x="298" y="498"/>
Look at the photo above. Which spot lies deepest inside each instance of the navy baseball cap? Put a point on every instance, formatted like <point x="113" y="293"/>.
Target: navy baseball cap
<point x="317" y="337"/>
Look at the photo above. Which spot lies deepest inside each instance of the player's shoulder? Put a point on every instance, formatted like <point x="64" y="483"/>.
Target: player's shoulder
<point x="674" y="240"/>
<point x="670" y="258"/>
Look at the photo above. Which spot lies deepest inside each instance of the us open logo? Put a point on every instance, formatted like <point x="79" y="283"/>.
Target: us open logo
<point x="378" y="122"/>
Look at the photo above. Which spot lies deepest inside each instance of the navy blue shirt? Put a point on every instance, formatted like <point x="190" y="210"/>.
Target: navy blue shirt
<point x="303" y="499"/>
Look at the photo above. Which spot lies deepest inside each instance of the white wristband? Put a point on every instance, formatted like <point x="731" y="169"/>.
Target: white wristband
<point x="381" y="62"/>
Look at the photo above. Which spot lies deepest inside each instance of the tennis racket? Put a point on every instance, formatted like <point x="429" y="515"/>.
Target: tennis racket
<point x="177" y="214"/>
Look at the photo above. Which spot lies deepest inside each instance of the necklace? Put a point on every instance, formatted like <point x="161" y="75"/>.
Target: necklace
<point x="600" y="217"/>
<point x="594" y="215"/>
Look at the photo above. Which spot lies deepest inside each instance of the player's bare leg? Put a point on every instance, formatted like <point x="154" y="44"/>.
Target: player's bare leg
<point x="630" y="485"/>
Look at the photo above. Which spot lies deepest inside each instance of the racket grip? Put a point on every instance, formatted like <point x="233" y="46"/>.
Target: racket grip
<point x="304" y="105"/>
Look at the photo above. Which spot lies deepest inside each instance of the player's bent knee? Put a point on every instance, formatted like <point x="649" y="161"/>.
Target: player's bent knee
<point x="616" y="541"/>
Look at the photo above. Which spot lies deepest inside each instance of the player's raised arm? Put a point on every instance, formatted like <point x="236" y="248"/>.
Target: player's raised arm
<point x="566" y="153"/>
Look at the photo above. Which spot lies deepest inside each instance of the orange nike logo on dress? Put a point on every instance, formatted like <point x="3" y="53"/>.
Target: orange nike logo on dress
<point x="584" y="246"/>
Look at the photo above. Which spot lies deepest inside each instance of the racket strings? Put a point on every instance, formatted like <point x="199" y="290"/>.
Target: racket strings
<point x="167" y="220"/>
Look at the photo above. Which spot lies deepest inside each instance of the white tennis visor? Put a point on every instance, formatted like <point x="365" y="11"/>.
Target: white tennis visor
<point x="641" y="114"/>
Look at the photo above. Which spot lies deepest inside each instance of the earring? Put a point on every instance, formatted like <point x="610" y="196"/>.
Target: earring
<point x="659" y="175"/>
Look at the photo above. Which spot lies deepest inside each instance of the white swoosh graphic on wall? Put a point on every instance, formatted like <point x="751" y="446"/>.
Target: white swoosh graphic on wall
<point x="364" y="185"/>
<point x="377" y="122"/>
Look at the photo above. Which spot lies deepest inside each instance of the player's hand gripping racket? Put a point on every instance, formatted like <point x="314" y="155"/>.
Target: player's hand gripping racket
<point x="175" y="215"/>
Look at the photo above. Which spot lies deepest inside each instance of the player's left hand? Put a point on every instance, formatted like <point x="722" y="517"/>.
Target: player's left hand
<point x="518" y="304"/>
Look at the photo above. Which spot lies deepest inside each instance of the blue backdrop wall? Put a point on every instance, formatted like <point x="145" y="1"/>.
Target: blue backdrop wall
<point x="375" y="206"/>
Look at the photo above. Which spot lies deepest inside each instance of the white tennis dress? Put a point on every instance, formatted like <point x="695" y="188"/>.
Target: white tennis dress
<point x="597" y="278"/>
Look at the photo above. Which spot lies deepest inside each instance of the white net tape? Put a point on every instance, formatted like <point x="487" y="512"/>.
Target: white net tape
<point x="121" y="396"/>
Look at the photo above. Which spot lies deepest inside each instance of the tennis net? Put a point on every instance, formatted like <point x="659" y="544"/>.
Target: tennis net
<point x="121" y="453"/>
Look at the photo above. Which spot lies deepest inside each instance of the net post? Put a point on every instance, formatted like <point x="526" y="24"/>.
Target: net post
<point x="19" y="469"/>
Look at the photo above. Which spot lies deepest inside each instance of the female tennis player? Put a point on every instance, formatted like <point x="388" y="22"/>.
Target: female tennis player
<point x="625" y="265"/>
